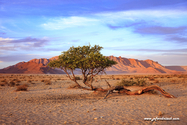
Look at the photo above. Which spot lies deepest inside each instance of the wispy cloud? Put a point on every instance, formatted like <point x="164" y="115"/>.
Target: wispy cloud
<point x="125" y="24"/>
<point x="176" y="38"/>
<point x="150" y="50"/>
<point x="160" y="30"/>
<point x="143" y="14"/>
<point x="18" y="57"/>
<point x="68" y="22"/>
<point x="25" y="43"/>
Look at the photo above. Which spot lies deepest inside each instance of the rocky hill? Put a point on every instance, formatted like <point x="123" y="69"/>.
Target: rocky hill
<point x="35" y="66"/>
<point x="126" y="65"/>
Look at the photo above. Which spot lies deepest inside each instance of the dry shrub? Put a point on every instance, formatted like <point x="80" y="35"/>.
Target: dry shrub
<point x="141" y="83"/>
<point x="77" y="78"/>
<point x="3" y="83"/>
<point x="16" y="80"/>
<point x="22" y="87"/>
<point x="151" y="78"/>
<point x="29" y="80"/>
<point x="4" y="80"/>
<point x="156" y="81"/>
<point x="42" y="80"/>
<point x="47" y="82"/>
<point x="131" y="83"/>
<point x="12" y="84"/>
<point x="117" y="78"/>
<point x="126" y="83"/>
<point x="173" y="81"/>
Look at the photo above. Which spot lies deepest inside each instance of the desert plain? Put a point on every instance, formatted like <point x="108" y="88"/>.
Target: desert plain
<point x="45" y="99"/>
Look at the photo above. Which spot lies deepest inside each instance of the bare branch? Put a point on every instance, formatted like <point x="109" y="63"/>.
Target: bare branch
<point x="108" y="83"/>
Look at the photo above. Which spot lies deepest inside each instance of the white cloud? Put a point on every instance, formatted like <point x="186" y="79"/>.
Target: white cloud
<point x="137" y="15"/>
<point x="143" y="13"/>
<point x="63" y="23"/>
<point x="5" y="39"/>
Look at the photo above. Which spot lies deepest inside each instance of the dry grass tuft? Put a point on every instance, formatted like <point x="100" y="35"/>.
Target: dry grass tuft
<point x="4" y="80"/>
<point x="156" y="81"/>
<point x="131" y="83"/>
<point x="47" y="82"/>
<point x="151" y="78"/>
<point x="22" y="87"/>
<point x="42" y="80"/>
<point x="29" y="81"/>
<point x="12" y="84"/>
<point x="3" y="83"/>
<point x="77" y="78"/>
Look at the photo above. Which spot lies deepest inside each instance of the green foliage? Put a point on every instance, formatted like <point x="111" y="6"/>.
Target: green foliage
<point x="85" y="57"/>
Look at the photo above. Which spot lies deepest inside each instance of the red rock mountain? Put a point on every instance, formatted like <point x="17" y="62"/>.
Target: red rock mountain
<point x="137" y="66"/>
<point x="125" y="65"/>
<point x="34" y="66"/>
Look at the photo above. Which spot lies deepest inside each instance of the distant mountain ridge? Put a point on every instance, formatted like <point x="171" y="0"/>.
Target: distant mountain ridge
<point x="34" y="66"/>
<point x="124" y="65"/>
<point x="138" y="66"/>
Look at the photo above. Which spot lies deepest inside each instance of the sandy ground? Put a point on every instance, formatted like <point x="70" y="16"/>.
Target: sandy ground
<point x="56" y="104"/>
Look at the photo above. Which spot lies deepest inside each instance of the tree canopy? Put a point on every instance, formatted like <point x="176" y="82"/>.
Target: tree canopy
<point x="86" y="58"/>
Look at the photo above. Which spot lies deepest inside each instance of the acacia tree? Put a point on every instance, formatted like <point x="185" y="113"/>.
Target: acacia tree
<point x="86" y="58"/>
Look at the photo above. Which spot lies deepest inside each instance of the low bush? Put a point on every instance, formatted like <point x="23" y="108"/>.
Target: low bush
<point x="12" y="84"/>
<point x="47" y="82"/>
<point x="42" y="80"/>
<point x="151" y="78"/>
<point x="22" y="87"/>
<point x="3" y="83"/>
<point x="126" y="83"/>
<point x="77" y="78"/>
<point x="131" y="83"/>
<point x="141" y="82"/>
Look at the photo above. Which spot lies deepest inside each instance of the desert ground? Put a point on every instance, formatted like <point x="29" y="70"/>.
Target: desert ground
<point x="27" y="99"/>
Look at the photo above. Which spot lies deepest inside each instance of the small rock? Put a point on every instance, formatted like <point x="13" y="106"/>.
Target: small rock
<point x="160" y="113"/>
<point x="101" y="116"/>
<point x="95" y="118"/>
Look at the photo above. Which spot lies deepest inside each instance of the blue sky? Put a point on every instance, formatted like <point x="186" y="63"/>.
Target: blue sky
<point x="140" y="29"/>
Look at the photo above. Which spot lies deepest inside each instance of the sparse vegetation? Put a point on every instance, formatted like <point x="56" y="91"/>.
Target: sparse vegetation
<point x="131" y="83"/>
<point x="12" y="84"/>
<point x="22" y="87"/>
<point x="47" y="82"/>
<point x="126" y="83"/>
<point x="151" y="78"/>
<point x="77" y="78"/>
